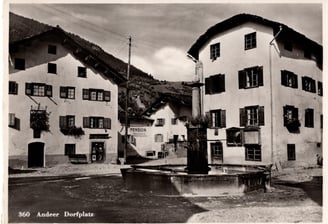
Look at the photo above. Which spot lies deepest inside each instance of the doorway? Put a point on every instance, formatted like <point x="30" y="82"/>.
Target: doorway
<point x="36" y="154"/>
<point x="217" y="152"/>
<point x="97" y="152"/>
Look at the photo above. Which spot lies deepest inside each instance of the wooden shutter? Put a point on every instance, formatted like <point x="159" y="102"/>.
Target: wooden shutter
<point x="63" y="92"/>
<point x="242" y="79"/>
<point x="208" y="86"/>
<point x="303" y="83"/>
<point x="48" y="90"/>
<point x="260" y="75"/>
<point x="221" y="83"/>
<point x="295" y="113"/>
<point x="28" y="89"/>
<point x="86" y="122"/>
<point x="62" y="122"/>
<point x="261" y="116"/>
<point x="106" y="95"/>
<point x="85" y="94"/>
<point x="222" y="119"/>
<point x="209" y="118"/>
<point x="107" y="123"/>
<point x="284" y="80"/>
<point x="313" y="84"/>
<point x="295" y="81"/>
<point x="242" y="117"/>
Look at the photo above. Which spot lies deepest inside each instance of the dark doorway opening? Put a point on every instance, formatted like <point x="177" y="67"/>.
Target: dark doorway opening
<point x="97" y="152"/>
<point x="36" y="154"/>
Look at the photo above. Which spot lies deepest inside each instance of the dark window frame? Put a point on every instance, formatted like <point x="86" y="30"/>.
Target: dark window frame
<point x="289" y="79"/>
<point x="215" y="84"/>
<point x="19" y="64"/>
<point x="52" y="49"/>
<point x="81" y="72"/>
<point x="308" y="84"/>
<point x="106" y="95"/>
<point x="253" y="152"/>
<point x="250" y="41"/>
<point x="217" y="150"/>
<point x="290" y="114"/>
<point x="217" y="118"/>
<point x="320" y="89"/>
<point x="35" y="89"/>
<point x="233" y="139"/>
<point x="309" y="118"/>
<point x="52" y="68"/>
<point x="252" y="116"/>
<point x="288" y="45"/>
<point x="93" y="122"/>
<point x="251" y="77"/>
<point x="160" y="122"/>
<point x="64" y="92"/>
<point x="13" y="87"/>
<point x="215" y="51"/>
<point x="291" y="152"/>
<point x="70" y="149"/>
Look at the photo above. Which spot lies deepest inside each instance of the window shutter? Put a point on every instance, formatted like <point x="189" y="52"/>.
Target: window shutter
<point x="295" y="113"/>
<point x="106" y="95"/>
<point x="208" y="86"/>
<point x="303" y="83"/>
<point x="208" y="117"/>
<point x="62" y="122"/>
<point x="12" y="120"/>
<point x="260" y="74"/>
<point x="28" y="88"/>
<point x="243" y="118"/>
<point x="221" y="83"/>
<point x="261" y="116"/>
<point x="242" y="79"/>
<point x="63" y="92"/>
<point x="86" y="122"/>
<point x="48" y="90"/>
<point x="107" y="123"/>
<point x="307" y="118"/>
<point x="223" y="119"/>
<point x="284" y="78"/>
<point x="295" y="84"/>
<point x="85" y="94"/>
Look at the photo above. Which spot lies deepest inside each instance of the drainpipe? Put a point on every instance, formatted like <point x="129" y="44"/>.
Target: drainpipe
<point x="271" y="90"/>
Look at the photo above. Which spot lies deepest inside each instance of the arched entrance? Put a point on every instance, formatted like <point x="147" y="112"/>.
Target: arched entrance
<point x="36" y="154"/>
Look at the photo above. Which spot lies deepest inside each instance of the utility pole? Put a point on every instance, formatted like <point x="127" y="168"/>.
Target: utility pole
<point x="126" y="103"/>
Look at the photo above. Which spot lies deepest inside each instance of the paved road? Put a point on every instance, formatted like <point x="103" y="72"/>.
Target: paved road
<point x="87" y="199"/>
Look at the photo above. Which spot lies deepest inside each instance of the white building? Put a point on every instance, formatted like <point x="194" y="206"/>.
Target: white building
<point x="63" y="95"/>
<point x="162" y="125"/>
<point x="263" y="92"/>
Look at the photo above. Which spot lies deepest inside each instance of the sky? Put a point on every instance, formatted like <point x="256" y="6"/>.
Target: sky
<point x="163" y="33"/>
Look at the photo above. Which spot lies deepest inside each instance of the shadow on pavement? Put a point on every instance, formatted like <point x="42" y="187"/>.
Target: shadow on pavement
<point x="312" y="188"/>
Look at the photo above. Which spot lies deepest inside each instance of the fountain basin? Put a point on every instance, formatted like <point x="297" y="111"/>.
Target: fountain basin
<point x="174" y="180"/>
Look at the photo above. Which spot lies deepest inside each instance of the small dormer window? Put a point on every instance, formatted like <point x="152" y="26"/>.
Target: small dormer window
<point x="82" y="72"/>
<point x="52" y="68"/>
<point x="250" y="41"/>
<point x="214" y="51"/>
<point x="20" y="63"/>
<point x="52" y="49"/>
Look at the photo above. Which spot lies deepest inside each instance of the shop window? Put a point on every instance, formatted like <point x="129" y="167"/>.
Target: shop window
<point x="288" y="46"/>
<point x="96" y="95"/>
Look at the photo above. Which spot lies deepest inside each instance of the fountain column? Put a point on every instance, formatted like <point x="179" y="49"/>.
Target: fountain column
<point x="197" y="130"/>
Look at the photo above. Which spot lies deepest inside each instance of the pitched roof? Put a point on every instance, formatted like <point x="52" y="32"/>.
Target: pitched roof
<point x="243" y="18"/>
<point x="23" y="29"/>
<point x="176" y="99"/>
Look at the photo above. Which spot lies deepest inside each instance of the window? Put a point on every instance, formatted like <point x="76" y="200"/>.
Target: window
<point x="250" y="77"/>
<point x="290" y="114"/>
<point x="12" y="120"/>
<point x="252" y="116"/>
<point x="52" y="68"/>
<point x="291" y="153"/>
<point x="250" y="41"/>
<point x="66" y="121"/>
<point x="218" y="118"/>
<point x="215" y="84"/>
<point x="253" y="153"/>
<point x="52" y="49"/>
<point x="96" y="95"/>
<point x="97" y="122"/>
<point x="160" y="122"/>
<point x="308" y="84"/>
<point x="174" y="121"/>
<point x="234" y="137"/>
<point x="81" y="72"/>
<point x="69" y="149"/>
<point x="320" y="92"/>
<point x="159" y="138"/>
<point x="13" y="87"/>
<point x="67" y="92"/>
<point x="309" y="118"/>
<point x="214" y="51"/>
<point x="217" y="150"/>
<point x="19" y="63"/>
<point x="289" y="79"/>
<point x="288" y="46"/>
<point x="38" y="89"/>
<point x="321" y="121"/>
